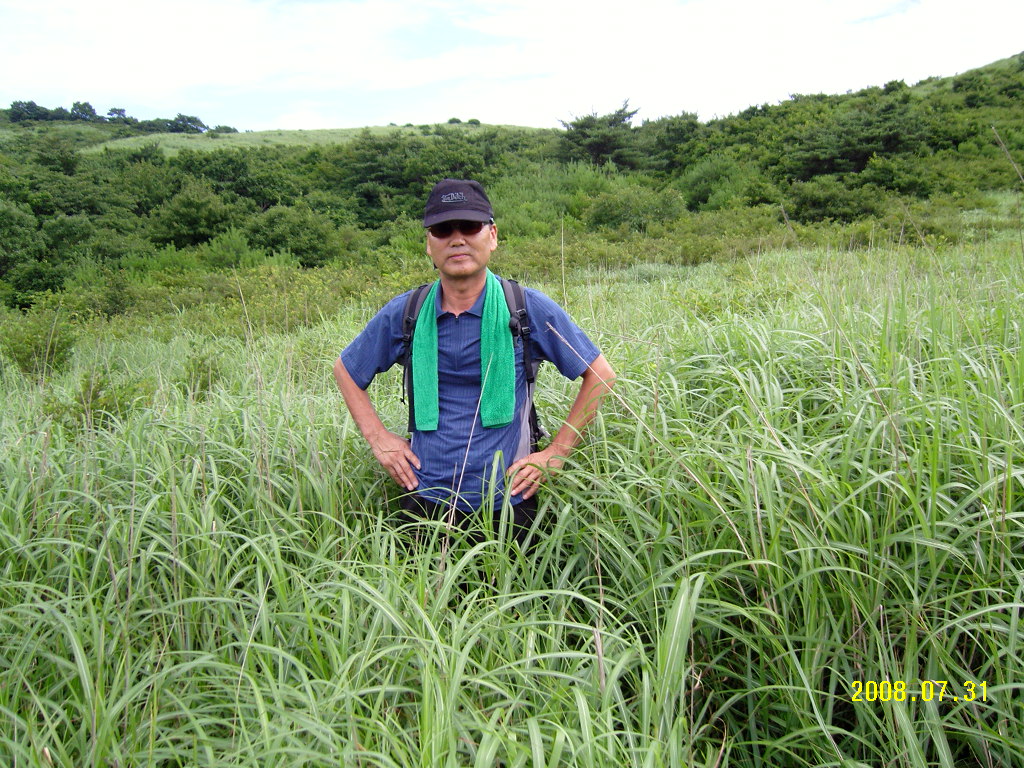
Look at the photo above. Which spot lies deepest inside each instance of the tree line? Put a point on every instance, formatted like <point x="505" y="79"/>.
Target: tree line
<point x="812" y="160"/>
<point x="83" y="111"/>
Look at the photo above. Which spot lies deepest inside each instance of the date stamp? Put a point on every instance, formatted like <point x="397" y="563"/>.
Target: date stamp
<point x="920" y="690"/>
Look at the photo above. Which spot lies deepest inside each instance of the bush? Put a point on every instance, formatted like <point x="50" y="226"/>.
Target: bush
<point x="715" y="182"/>
<point x="230" y="249"/>
<point x="635" y="208"/>
<point x="99" y="402"/>
<point x="29" y="279"/>
<point x="194" y="215"/>
<point x="20" y="239"/>
<point x="39" y="341"/>
<point x="95" y="288"/>
<point x="308" y="235"/>
<point x="826" y="198"/>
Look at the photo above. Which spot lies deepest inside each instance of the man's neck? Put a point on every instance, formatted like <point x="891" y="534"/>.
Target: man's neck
<point x="459" y="295"/>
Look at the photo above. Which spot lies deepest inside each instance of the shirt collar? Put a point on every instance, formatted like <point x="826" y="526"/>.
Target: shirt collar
<point x="477" y="309"/>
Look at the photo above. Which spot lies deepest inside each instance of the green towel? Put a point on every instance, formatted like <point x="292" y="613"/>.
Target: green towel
<point x="497" y="360"/>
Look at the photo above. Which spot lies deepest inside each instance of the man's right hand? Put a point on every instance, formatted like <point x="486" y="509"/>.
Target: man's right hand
<point x="395" y="455"/>
<point x="393" y="452"/>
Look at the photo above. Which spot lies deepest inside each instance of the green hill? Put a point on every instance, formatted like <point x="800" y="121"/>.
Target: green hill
<point x="125" y="197"/>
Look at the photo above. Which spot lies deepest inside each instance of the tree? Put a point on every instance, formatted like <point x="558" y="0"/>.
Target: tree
<point x="309" y="236"/>
<point x="118" y="115"/>
<point x="186" y="124"/>
<point x="671" y="143"/>
<point x="83" y="110"/>
<point x="27" y="110"/>
<point x="599" y="140"/>
<point x="846" y="140"/>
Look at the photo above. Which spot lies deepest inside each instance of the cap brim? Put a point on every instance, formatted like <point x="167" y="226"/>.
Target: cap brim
<point x="437" y="218"/>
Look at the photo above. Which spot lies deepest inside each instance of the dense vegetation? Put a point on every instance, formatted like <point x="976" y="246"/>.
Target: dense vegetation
<point x="80" y="201"/>
<point x="810" y="477"/>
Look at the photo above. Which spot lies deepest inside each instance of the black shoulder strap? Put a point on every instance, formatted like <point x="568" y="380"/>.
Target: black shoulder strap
<point x="409" y="316"/>
<point x="519" y="323"/>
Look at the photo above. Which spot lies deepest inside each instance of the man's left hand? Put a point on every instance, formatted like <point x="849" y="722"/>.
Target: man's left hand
<point x="530" y="471"/>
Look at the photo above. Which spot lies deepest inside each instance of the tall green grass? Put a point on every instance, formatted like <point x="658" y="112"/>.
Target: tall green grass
<point x="810" y="477"/>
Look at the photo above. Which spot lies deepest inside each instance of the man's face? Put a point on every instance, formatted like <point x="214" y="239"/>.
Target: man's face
<point x="461" y="254"/>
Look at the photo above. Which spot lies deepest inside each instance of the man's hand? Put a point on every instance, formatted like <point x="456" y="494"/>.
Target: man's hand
<point x="395" y="455"/>
<point x="530" y="471"/>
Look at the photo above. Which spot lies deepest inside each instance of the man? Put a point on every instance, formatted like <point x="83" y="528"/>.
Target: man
<point x="469" y="447"/>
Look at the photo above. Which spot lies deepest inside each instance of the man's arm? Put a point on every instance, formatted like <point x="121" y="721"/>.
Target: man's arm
<point x="391" y="450"/>
<point x="530" y="471"/>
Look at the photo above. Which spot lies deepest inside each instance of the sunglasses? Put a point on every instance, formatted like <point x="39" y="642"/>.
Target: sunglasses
<point x="445" y="228"/>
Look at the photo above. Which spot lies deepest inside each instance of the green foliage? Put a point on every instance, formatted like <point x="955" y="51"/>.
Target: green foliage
<point x="827" y="198"/>
<point x="671" y="144"/>
<point x="874" y="125"/>
<point x="20" y="238"/>
<point x="28" y="279"/>
<point x="203" y="370"/>
<point x="310" y="236"/>
<point x="195" y="215"/>
<point x="101" y="401"/>
<point x="95" y="288"/>
<point x="67" y="192"/>
<point x="635" y="208"/>
<point x="898" y="174"/>
<point x="229" y="249"/>
<point x="600" y="140"/>
<point x="260" y="176"/>
<point x="388" y="176"/>
<point x="715" y="182"/>
<point x="40" y="340"/>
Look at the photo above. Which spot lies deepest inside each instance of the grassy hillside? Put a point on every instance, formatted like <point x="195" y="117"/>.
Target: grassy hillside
<point x="173" y="142"/>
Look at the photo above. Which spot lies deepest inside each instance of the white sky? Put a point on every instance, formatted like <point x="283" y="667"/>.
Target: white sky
<point x="289" y="64"/>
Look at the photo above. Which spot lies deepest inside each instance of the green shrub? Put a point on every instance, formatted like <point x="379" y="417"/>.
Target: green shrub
<point x="309" y="235"/>
<point x="230" y="249"/>
<point x="203" y="369"/>
<point x="826" y="198"/>
<point x="20" y="239"/>
<point x="29" y="279"/>
<point x="635" y="208"/>
<point x="95" y="288"/>
<point x="99" y="402"/>
<point x="715" y="182"/>
<point x="196" y="214"/>
<point x="40" y="340"/>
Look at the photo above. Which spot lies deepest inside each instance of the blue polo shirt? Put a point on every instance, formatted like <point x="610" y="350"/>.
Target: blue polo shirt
<point x="462" y="458"/>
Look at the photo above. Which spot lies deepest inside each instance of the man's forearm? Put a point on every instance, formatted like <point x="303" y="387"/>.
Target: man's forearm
<point x="598" y="380"/>
<point x="392" y="451"/>
<point x="358" y="403"/>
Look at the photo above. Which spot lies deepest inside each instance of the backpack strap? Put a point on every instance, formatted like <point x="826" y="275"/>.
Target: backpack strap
<point x="519" y="324"/>
<point x="409" y="316"/>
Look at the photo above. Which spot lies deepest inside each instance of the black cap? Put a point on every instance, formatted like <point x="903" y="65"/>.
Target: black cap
<point x="453" y="199"/>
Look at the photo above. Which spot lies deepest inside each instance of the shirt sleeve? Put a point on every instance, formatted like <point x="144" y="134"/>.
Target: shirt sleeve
<point x="556" y="338"/>
<point x="378" y="346"/>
